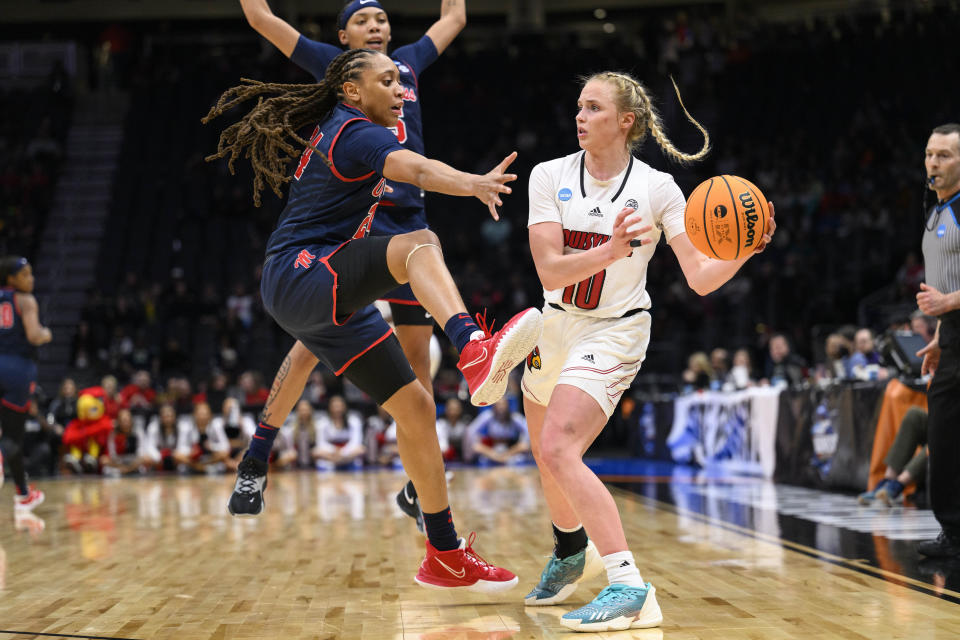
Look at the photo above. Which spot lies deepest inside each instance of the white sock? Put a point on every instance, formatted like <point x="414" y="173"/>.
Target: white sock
<point x="477" y="335"/>
<point x="622" y="569"/>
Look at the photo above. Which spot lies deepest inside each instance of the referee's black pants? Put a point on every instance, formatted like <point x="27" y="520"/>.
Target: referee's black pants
<point x="943" y="429"/>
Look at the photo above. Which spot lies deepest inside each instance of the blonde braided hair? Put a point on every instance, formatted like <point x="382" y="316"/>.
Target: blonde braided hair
<point x="630" y="95"/>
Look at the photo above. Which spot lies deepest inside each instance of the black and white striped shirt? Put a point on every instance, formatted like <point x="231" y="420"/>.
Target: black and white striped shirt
<point x="941" y="245"/>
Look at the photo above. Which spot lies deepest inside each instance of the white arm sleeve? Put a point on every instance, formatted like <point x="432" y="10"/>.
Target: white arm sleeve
<point x="667" y="204"/>
<point x="542" y="196"/>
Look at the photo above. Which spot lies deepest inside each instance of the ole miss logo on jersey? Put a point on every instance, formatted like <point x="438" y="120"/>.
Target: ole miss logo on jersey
<point x="304" y="260"/>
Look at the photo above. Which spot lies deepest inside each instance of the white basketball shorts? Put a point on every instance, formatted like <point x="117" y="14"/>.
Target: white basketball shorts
<point x="600" y="356"/>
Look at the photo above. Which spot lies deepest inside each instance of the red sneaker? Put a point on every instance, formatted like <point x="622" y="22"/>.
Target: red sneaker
<point x="462" y="568"/>
<point x="486" y="363"/>
<point x="33" y="498"/>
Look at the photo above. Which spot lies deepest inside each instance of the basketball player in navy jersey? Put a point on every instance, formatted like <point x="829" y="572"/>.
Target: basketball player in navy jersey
<point x="20" y="334"/>
<point x="323" y="270"/>
<point x="364" y="24"/>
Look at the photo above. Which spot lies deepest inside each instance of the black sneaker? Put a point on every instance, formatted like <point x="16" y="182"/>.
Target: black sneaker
<point x="410" y="506"/>
<point x="247" y="498"/>
<point x="945" y="546"/>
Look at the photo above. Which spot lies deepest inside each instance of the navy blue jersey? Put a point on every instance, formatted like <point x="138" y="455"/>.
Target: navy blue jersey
<point x="330" y="205"/>
<point x="13" y="337"/>
<point x="411" y="60"/>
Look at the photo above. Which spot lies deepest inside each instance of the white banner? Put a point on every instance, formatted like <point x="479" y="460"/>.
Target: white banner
<point x="735" y="432"/>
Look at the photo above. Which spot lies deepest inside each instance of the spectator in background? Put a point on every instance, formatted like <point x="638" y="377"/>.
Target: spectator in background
<point x="923" y="325"/>
<point x="63" y="408"/>
<point x="139" y="394"/>
<point x="905" y="465"/>
<point x="498" y="436"/>
<point x="784" y="366"/>
<point x="41" y="442"/>
<point x="864" y="362"/>
<point x="120" y="456"/>
<point x="316" y="390"/>
<point x="161" y="447"/>
<point x="111" y="397"/>
<point x="254" y="393"/>
<point x="339" y="437"/>
<point x="741" y="373"/>
<point x="237" y="428"/>
<point x="240" y="306"/>
<point x="720" y="363"/>
<point x="837" y="350"/>
<point x="698" y="375"/>
<point x="296" y="438"/>
<point x="452" y="428"/>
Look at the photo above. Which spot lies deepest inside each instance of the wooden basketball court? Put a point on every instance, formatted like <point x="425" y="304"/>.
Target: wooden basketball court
<point x="333" y="557"/>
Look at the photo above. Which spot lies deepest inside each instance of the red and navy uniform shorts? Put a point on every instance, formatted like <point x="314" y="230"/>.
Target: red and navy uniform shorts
<point x="322" y="295"/>
<point x="18" y="379"/>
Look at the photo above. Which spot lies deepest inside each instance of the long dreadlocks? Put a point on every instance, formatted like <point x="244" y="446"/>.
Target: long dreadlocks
<point x="267" y="134"/>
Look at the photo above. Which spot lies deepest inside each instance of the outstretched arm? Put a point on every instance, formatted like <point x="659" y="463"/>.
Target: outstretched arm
<point x="433" y="175"/>
<point x="453" y="18"/>
<point x="278" y="31"/>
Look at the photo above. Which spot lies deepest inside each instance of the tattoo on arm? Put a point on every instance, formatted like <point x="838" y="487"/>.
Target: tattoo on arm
<point x="267" y="412"/>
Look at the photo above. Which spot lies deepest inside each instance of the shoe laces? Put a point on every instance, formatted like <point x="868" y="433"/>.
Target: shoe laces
<point x="247" y="478"/>
<point x="470" y="553"/>
<point x="482" y="323"/>
<point x="615" y="593"/>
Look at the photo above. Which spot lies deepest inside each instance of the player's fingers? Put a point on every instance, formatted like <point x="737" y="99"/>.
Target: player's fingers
<point x="507" y="177"/>
<point x="621" y="216"/>
<point x="502" y="188"/>
<point x="773" y="210"/>
<point x="493" y="211"/>
<point x="506" y="162"/>
<point x="387" y="188"/>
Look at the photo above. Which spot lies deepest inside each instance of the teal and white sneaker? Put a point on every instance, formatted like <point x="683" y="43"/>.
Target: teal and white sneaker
<point x="616" y="608"/>
<point x="560" y="577"/>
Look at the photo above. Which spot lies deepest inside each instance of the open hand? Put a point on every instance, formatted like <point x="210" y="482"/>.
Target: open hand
<point x="627" y="232"/>
<point x="489" y="186"/>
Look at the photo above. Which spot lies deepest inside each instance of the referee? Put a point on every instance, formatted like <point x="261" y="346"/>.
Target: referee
<point x="940" y="297"/>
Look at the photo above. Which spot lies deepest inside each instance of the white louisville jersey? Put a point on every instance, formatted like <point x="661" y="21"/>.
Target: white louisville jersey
<point x="563" y="191"/>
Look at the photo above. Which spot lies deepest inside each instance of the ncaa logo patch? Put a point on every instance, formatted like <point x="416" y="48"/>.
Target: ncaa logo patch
<point x="564" y="194"/>
<point x="403" y="68"/>
<point x="533" y="359"/>
<point x="942" y="229"/>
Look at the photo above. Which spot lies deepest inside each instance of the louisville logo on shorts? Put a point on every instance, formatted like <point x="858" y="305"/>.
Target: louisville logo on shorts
<point x="533" y="359"/>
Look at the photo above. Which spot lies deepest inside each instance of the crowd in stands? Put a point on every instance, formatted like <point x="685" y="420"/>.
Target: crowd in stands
<point x="140" y="428"/>
<point x="33" y="124"/>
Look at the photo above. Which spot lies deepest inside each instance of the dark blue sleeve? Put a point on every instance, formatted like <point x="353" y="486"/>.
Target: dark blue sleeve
<point x="313" y="56"/>
<point x="419" y="55"/>
<point x="363" y="146"/>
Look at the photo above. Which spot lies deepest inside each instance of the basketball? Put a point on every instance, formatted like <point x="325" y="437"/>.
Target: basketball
<point x="726" y="217"/>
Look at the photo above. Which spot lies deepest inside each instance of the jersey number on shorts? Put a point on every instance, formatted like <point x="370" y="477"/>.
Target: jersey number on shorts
<point x="6" y="315"/>
<point x="401" y="129"/>
<point x="315" y="139"/>
<point x="586" y="293"/>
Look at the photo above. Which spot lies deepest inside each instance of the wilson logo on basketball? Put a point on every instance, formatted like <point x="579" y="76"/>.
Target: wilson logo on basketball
<point x="750" y="212"/>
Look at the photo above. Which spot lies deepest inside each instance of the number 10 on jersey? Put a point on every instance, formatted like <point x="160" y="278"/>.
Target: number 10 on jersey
<point x="586" y="293"/>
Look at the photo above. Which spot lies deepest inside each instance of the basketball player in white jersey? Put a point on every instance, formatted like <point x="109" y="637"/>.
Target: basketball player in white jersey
<point x="595" y="219"/>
